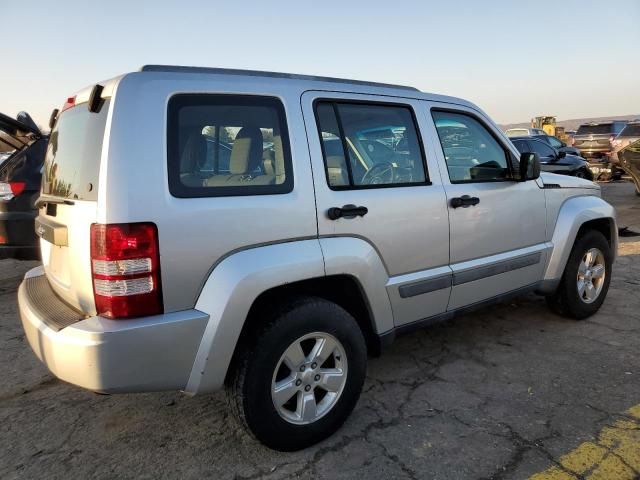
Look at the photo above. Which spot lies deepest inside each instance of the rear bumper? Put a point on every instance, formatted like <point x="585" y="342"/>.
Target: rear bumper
<point x="138" y="355"/>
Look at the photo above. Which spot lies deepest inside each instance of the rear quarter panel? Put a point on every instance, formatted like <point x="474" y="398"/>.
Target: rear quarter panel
<point x="196" y="233"/>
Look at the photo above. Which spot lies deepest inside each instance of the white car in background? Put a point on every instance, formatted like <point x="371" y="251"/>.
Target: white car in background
<point x="524" y="132"/>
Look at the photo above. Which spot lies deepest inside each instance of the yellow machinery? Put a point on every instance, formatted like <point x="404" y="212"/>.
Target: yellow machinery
<point x="546" y="123"/>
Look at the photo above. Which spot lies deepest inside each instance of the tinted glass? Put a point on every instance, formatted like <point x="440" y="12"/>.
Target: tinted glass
<point x="471" y="152"/>
<point x="631" y="131"/>
<point x="223" y="145"/>
<point x="602" y="129"/>
<point x="521" y="145"/>
<point x="541" y="149"/>
<point x="73" y="155"/>
<point x="381" y="142"/>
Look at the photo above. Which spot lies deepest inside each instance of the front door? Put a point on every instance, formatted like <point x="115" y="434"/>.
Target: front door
<point x="497" y="224"/>
<point x="374" y="182"/>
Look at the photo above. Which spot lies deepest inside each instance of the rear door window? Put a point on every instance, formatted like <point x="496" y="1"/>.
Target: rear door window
<point x="227" y="145"/>
<point x="368" y="145"/>
<point x="73" y="155"/>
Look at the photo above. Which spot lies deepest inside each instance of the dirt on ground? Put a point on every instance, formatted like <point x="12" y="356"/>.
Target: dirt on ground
<point x="504" y="393"/>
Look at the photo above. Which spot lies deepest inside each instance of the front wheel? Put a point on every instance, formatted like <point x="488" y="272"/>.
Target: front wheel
<point x="585" y="282"/>
<point x="301" y="376"/>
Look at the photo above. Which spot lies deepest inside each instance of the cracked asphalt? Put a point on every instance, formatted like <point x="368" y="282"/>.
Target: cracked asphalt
<point x="502" y="393"/>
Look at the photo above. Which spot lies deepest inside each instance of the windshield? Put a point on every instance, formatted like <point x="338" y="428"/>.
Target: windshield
<point x="632" y="130"/>
<point x="601" y="129"/>
<point x="73" y="155"/>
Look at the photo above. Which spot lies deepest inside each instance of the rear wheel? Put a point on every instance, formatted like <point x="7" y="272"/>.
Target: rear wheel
<point x="301" y="376"/>
<point x="586" y="278"/>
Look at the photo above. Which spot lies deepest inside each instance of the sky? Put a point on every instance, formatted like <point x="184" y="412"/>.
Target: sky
<point x="515" y="59"/>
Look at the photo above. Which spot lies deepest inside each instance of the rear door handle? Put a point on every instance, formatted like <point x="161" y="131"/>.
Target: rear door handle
<point x="347" y="211"/>
<point x="464" y="201"/>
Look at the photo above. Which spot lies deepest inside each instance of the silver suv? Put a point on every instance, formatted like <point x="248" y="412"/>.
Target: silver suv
<point x="203" y="228"/>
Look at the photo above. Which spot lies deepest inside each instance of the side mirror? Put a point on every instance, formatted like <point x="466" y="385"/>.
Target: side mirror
<point x="562" y="154"/>
<point x="529" y="166"/>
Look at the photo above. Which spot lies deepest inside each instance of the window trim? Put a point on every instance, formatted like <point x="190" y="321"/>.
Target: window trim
<point x="333" y="103"/>
<point x="179" y="190"/>
<point x="508" y="153"/>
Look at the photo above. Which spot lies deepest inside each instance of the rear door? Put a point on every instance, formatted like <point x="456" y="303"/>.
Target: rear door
<point x="368" y="151"/>
<point x="497" y="224"/>
<point x="69" y="202"/>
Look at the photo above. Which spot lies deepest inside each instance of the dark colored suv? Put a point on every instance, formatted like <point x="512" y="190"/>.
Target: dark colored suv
<point x="553" y="161"/>
<point x="20" y="177"/>
<point x="594" y="139"/>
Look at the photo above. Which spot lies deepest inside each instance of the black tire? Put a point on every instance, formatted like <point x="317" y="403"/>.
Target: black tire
<point x="249" y="384"/>
<point x="566" y="301"/>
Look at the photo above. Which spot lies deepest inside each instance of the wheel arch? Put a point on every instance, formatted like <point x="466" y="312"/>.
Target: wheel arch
<point x="577" y="216"/>
<point x="347" y="271"/>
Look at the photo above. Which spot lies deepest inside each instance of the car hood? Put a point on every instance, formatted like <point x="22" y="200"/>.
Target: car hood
<point x="15" y="134"/>
<point x="552" y="180"/>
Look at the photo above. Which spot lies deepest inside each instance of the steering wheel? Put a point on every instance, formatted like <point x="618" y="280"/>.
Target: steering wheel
<point x="380" y="174"/>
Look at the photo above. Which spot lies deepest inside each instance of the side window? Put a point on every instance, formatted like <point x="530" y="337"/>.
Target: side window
<point x="368" y="145"/>
<point x="471" y="152"/>
<point x="226" y="145"/>
<point x="521" y="145"/>
<point x="542" y="149"/>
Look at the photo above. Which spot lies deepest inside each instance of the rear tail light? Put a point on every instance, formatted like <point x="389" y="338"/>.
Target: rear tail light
<point x="11" y="189"/>
<point x="125" y="266"/>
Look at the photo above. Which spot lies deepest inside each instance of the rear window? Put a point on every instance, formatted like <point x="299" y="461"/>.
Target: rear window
<point x="227" y="145"/>
<point x="631" y="131"/>
<point x="602" y="129"/>
<point x="73" y="155"/>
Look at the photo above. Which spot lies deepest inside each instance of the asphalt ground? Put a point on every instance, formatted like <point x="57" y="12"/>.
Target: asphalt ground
<point x="508" y="392"/>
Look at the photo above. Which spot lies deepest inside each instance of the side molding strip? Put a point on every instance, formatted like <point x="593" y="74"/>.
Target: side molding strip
<point x="425" y="286"/>
<point x="497" y="268"/>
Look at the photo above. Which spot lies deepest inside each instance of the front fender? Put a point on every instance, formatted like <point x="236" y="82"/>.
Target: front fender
<point x="230" y="291"/>
<point x="574" y="213"/>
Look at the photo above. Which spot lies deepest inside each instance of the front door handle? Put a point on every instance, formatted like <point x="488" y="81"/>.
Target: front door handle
<point x="464" y="201"/>
<point x="346" y="211"/>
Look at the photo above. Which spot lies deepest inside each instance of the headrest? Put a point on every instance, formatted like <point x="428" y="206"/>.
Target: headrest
<point x="246" y="153"/>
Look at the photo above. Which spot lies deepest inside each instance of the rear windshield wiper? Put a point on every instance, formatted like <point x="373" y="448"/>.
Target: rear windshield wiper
<point x="42" y="201"/>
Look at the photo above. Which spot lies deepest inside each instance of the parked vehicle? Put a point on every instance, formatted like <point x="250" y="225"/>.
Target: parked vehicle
<point x="277" y="280"/>
<point x="20" y="174"/>
<point x="626" y="152"/>
<point x="524" y="132"/>
<point x="552" y="160"/>
<point x="629" y="134"/>
<point x="557" y="144"/>
<point x="594" y="139"/>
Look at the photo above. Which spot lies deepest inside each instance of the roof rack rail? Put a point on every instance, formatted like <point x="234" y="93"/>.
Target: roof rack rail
<point x="258" y="73"/>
